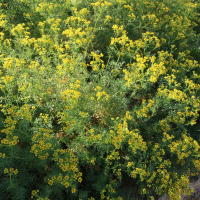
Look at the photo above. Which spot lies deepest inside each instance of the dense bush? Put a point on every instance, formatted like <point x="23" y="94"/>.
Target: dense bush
<point x="99" y="99"/>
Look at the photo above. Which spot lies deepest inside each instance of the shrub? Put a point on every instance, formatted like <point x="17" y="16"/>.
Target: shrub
<point x="98" y="94"/>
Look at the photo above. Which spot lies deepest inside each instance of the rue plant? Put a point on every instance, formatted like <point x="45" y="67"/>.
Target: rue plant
<point x="98" y="99"/>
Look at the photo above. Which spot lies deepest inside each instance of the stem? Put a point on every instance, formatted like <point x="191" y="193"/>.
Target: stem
<point x="11" y="150"/>
<point x="11" y="185"/>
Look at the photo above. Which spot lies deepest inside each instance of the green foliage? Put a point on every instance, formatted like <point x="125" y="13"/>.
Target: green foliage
<point x="98" y="99"/>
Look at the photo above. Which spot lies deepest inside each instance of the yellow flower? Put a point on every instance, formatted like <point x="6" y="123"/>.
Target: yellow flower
<point x="115" y="27"/>
<point x="108" y="17"/>
<point x="59" y="178"/>
<point x="55" y="154"/>
<point x="34" y="192"/>
<point x="80" y="179"/>
<point x="129" y="164"/>
<point x="92" y="130"/>
<point x="73" y="190"/>
<point x="144" y="191"/>
<point x="5" y="171"/>
<point x="14" y="142"/>
<point x="11" y="170"/>
<point x="50" y="182"/>
<point x="118" y="173"/>
<point x="66" y="184"/>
